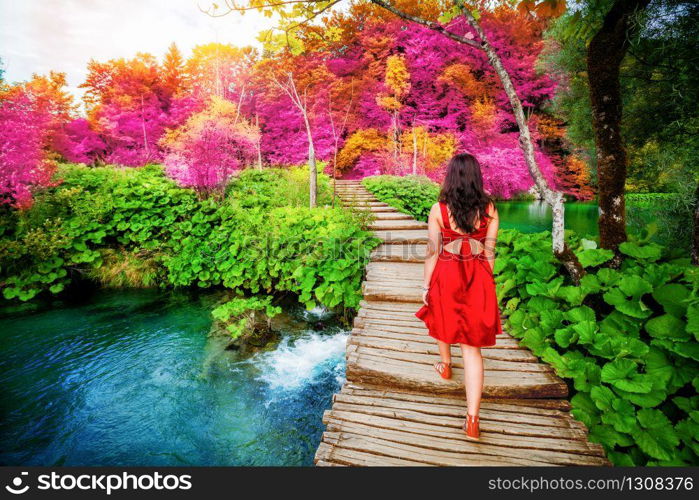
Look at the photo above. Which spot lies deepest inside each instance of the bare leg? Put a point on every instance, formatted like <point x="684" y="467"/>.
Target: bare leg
<point x="473" y="377"/>
<point x="444" y="352"/>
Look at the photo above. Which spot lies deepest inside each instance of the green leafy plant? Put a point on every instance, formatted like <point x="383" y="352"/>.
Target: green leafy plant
<point x="626" y="340"/>
<point x="135" y="227"/>
<point x="413" y="195"/>
<point x="240" y="314"/>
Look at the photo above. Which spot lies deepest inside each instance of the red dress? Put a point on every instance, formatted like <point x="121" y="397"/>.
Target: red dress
<point x="462" y="305"/>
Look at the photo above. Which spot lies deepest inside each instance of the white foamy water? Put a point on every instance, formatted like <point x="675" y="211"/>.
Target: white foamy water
<point x="296" y="363"/>
<point x="318" y="313"/>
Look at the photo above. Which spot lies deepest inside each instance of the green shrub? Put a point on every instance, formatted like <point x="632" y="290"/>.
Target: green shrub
<point x="239" y="314"/>
<point x="411" y="194"/>
<point x="135" y="227"/>
<point x="276" y="187"/>
<point x="626" y="340"/>
<point x="669" y="214"/>
<point x="68" y="227"/>
<point x="319" y="254"/>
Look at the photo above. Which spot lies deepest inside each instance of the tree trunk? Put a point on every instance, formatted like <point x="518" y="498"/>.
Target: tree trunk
<point x="145" y="135"/>
<point x="604" y="56"/>
<point x="258" y="142"/>
<point x="414" y="152"/>
<point x="313" y="174"/>
<point x="334" y="174"/>
<point x="312" y="169"/>
<point x="553" y="198"/>
<point x="695" y="235"/>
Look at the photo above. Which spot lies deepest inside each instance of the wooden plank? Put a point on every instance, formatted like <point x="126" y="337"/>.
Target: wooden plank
<point x="364" y="203"/>
<point x="369" y="328"/>
<point x="425" y="456"/>
<point x="397" y="224"/>
<point x="376" y="332"/>
<point x="402" y="236"/>
<point x="551" y="407"/>
<point x="378" y="291"/>
<point x="414" y="252"/>
<point x="488" y="427"/>
<point x="552" y="442"/>
<point x="416" y="376"/>
<point x="488" y="412"/>
<point x="392" y="216"/>
<point x="400" y="268"/>
<point x="374" y="209"/>
<point x="379" y="349"/>
<point x="462" y="445"/>
<point x="509" y="355"/>
<point x="385" y="305"/>
<point x="341" y="456"/>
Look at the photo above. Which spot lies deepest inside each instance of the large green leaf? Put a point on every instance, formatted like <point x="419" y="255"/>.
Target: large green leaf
<point x="634" y="286"/>
<point x="621" y="416"/>
<point x="693" y="320"/>
<point x="649" y="252"/>
<point x="603" y="397"/>
<point x="584" y="409"/>
<point x="647" y="400"/>
<point x="633" y="307"/>
<point x="672" y="297"/>
<point x="608" y="437"/>
<point x="623" y="374"/>
<point x="565" y="336"/>
<point x="580" y="314"/>
<point x="656" y="436"/>
<point x="667" y="326"/>
<point x="593" y="257"/>
<point x="586" y="330"/>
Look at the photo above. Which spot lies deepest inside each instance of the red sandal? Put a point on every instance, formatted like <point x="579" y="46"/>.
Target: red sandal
<point x="444" y="369"/>
<point x="471" y="427"/>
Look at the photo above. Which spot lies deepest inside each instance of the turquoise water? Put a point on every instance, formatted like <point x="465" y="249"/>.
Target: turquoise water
<point x="535" y="216"/>
<point x="131" y="378"/>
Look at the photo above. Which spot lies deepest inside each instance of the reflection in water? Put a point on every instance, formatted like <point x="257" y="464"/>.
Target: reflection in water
<point x="535" y="216"/>
<point x="132" y="378"/>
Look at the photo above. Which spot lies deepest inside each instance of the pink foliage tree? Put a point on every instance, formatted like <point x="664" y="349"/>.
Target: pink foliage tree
<point x="23" y="162"/>
<point x="78" y="143"/>
<point x="209" y="147"/>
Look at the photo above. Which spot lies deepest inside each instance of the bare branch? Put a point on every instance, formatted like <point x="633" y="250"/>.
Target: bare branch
<point x="429" y="24"/>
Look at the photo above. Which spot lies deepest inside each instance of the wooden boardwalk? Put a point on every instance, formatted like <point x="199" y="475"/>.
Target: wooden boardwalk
<point x="395" y="410"/>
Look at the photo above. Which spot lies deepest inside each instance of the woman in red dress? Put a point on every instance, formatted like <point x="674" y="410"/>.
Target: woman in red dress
<point x="459" y="290"/>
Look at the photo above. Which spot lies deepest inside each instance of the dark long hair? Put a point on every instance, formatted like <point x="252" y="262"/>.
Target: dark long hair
<point x="462" y="191"/>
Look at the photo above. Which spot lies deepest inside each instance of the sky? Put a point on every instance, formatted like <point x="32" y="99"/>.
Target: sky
<point x="37" y="36"/>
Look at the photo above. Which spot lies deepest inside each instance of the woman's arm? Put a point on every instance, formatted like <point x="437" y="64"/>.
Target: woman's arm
<point x="491" y="236"/>
<point x="432" y="252"/>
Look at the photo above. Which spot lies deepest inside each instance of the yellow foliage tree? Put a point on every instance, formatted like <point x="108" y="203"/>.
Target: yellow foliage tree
<point x="429" y="150"/>
<point x="360" y="142"/>
<point x="483" y="116"/>
<point x="397" y="82"/>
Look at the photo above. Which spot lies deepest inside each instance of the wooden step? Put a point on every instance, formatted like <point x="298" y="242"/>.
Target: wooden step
<point x="365" y="203"/>
<point x="367" y="427"/>
<point x="401" y="236"/>
<point x="412" y="252"/>
<point x="392" y="293"/>
<point x="392" y="216"/>
<point x="523" y="406"/>
<point x="397" y="224"/>
<point x="376" y="368"/>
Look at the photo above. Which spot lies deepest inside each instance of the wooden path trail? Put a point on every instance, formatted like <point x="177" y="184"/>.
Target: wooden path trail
<point x="395" y="410"/>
